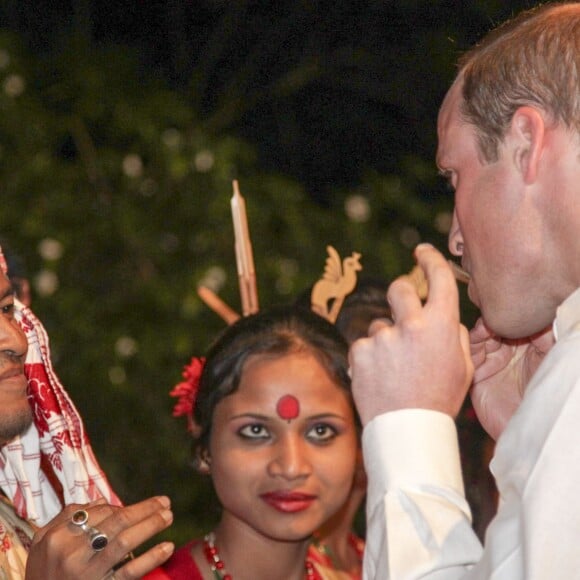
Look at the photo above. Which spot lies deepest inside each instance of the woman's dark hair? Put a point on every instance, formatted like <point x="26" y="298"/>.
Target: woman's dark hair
<point x="367" y="302"/>
<point x="276" y="331"/>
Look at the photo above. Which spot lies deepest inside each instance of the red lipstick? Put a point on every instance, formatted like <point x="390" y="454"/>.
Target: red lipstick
<point x="288" y="501"/>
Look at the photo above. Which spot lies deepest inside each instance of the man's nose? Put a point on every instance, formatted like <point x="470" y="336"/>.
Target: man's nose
<point x="12" y="338"/>
<point x="455" y="239"/>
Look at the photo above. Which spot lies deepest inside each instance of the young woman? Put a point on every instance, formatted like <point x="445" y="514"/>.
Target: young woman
<point x="275" y="429"/>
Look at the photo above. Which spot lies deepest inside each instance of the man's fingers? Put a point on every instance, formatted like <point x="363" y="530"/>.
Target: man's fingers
<point x="466" y="347"/>
<point x="129" y="527"/>
<point x="403" y="299"/>
<point x="479" y="332"/>
<point x="145" y="562"/>
<point x="378" y="324"/>
<point x="65" y="516"/>
<point x="443" y="293"/>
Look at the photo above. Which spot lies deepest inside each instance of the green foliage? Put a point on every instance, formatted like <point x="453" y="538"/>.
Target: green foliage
<point x="119" y="205"/>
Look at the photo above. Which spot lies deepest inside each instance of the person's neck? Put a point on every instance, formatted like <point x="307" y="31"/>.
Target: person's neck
<point x="247" y="554"/>
<point x="334" y="535"/>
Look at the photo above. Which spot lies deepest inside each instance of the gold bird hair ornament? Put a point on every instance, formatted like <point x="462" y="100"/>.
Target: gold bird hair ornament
<point x="338" y="280"/>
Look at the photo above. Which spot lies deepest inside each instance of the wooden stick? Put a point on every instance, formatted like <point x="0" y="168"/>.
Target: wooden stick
<point x="417" y="277"/>
<point x="244" y="255"/>
<point x="460" y="274"/>
<point x="211" y="299"/>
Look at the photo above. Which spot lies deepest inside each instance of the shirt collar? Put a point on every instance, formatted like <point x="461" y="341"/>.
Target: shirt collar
<point x="567" y="316"/>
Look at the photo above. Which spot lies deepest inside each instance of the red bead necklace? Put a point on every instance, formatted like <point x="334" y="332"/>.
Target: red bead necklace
<point x="218" y="567"/>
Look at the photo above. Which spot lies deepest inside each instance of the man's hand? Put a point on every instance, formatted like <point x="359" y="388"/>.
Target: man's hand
<point x="503" y="368"/>
<point x="61" y="550"/>
<point x="422" y="359"/>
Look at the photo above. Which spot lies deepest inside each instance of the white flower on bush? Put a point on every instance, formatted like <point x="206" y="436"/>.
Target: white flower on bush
<point x="126" y="347"/>
<point x="204" y="161"/>
<point x="14" y="85"/>
<point x="50" y="249"/>
<point x="132" y="165"/>
<point x="357" y="208"/>
<point x="46" y="283"/>
<point x="214" y="278"/>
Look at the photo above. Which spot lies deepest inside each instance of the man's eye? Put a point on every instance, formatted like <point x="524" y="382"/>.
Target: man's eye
<point x="254" y="431"/>
<point x="8" y="308"/>
<point x="321" y="433"/>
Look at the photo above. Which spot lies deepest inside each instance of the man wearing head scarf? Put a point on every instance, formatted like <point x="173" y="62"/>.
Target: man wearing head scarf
<point x="46" y="463"/>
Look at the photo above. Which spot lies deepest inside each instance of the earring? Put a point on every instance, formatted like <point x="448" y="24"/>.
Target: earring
<point x="202" y="464"/>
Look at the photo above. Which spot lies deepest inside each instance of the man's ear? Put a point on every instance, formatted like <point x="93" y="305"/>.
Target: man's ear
<point x="527" y="133"/>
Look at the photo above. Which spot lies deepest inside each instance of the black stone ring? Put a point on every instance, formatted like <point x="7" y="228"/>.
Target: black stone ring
<point x="98" y="540"/>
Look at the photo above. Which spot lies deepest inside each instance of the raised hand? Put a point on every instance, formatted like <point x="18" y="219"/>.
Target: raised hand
<point x="503" y="368"/>
<point x="422" y="359"/>
<point x="62" y="550"/>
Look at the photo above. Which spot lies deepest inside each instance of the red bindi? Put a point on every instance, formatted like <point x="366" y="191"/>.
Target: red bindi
<point x="288" y="407"/>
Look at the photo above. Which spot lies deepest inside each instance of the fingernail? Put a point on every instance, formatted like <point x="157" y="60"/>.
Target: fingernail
<point x="167" y="547"/>
<point x="164" y="501"/>
<point x="424" y="246"/>
<point x="167" y="515"/>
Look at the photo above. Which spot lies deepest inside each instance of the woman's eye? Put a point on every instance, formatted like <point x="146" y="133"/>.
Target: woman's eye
<point x="254" y="431"/>
<point x="321" y="433"/>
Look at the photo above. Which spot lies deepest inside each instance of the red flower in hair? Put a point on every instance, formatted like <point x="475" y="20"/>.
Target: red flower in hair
<point x="186" y="391"/>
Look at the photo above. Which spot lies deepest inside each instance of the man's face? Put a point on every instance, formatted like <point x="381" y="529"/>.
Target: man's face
<point x="15" y="413"/>
<point x="496" y="228"/>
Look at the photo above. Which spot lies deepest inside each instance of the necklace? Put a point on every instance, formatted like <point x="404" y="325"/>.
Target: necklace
<point x="328" y="553"/>
<point x="218" y="568"/>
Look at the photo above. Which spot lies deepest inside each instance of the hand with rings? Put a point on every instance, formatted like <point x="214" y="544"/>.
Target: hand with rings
<point x="95" y="541"/>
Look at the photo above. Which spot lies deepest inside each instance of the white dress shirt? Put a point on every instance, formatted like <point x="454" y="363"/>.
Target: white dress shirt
<point x="418" y="521"/>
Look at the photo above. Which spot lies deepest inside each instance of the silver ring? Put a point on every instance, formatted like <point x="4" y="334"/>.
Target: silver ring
<point x="97" y="539"/>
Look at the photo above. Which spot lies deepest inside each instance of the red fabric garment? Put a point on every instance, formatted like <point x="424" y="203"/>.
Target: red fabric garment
<point x="323" y="562"/>
<point x="180" y="566"/>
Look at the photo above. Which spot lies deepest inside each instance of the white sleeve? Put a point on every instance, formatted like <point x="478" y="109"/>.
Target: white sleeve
<point x="418" y="521"/>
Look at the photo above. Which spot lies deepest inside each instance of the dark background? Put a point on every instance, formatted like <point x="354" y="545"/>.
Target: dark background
<point x="323" y="89"/>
